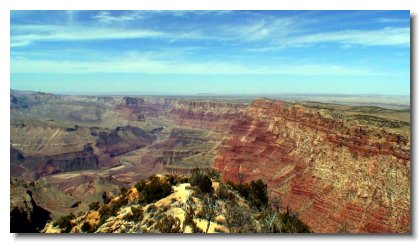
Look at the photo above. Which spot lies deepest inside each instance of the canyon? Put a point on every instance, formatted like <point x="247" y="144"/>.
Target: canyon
<point x="340" y="168"/>
<point x="333" y="172"/>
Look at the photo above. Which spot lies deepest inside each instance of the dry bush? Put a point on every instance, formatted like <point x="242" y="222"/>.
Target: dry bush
<point x="168" y="224"/>
<point x="239" y="219"/>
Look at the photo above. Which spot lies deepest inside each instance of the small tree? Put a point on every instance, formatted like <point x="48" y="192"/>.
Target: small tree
<point x="259" y="193"/>
<point x="202" y="181"/>
<point x="189" y="213"/>
<point x="210" y="210"/>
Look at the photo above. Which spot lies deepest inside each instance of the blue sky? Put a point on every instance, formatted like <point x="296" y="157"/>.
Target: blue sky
<point x="221" y="52"/>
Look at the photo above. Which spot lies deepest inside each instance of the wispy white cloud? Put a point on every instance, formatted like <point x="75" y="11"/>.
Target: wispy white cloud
<point x="273" y="32"/>
<point x="346" y="39"/>
<point x="262" y="29"/>
<point x="380" y="37"/>
<point x="77" y="33"/>
<point x="128" y="16"/>
<point x="391" y="20"/>
<point x="108" y="17"/>
<point x="145" y="63"/>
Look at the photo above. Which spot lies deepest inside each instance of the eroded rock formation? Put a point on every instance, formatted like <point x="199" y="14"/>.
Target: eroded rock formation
<point x="123" y="139"/>
<point x="336" y="174"/>
<point x="32" y="167"/>
<point x="205" y="114"/>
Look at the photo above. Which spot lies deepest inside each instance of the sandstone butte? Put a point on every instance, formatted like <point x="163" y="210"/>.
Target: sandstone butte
<point x="337" y="175"/>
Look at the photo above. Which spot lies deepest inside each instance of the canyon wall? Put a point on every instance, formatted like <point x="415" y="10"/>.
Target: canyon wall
<point x="204" y="114"/>
<point x="32" y="167"/>
<point x="122" y="140"/>
<point x="336" y="174"/>
<point x="218" y="116"/>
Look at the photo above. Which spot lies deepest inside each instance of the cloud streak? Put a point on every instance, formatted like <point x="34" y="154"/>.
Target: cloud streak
<point x="145" y="64"/>
<point x="381" y="37"/>
<point x="273" y="32"/>
<point x="51" y="33"/>
<point x="107" y="17"/>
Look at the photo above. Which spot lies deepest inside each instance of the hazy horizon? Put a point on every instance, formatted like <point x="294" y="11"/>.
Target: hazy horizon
<point x="221" y="52"/>
<point x="135" y="93"/>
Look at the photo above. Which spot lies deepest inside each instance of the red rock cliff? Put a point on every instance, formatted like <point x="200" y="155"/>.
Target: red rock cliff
<point x="206" y="114"/>
<point x="336" y="174"/>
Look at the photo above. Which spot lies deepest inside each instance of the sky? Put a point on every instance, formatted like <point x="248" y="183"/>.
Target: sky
<point x="217" y="52"/>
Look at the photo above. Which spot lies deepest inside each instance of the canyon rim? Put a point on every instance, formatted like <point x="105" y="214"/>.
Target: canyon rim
<point x="210" y="122"/>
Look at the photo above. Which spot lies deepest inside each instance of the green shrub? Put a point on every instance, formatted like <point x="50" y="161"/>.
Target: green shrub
<point x="239" y="220"/>
<point x="270" y="221"/>
<point x="152" y="208"/>
<point x="255" y="193"/>
<point x="88" y="228"/>
<point x="202" y="181"/>
<point x="213" y="174"/>
<point x="111" y="209"/>
<point x="154" y="190"/>
<point x="168" y="224"/>
<point x="274" y="222"/>
<point x="223" y="192"/>
<point x="209" y="210"/>
<point x="172" y="180"/>
<point x="140" y="185"/>
<point x="115" y="205"/>
<point x="123" y="192"/>
<point x="104" y="213"/>
<point x="292" y="224"/>
<point x="136" y="214"/>
<point x="64" y="223"/>
<point x="94" y="205"/>
<point x="258" y="193"/>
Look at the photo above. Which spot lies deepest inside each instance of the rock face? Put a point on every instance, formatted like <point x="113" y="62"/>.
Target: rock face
<point x="140" y="108"/>
<point x="337" y="174"/>
<point x="26" y="216"/>
<point x="33" y="203"/>
<point x="205" y="114"/>
<point x="16" y="156"/>
<point x="35" y="166"/>
<point x="122" y="140"/>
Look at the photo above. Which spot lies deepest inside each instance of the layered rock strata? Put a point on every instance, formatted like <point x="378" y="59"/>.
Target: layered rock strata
<point x="336" y="174"/>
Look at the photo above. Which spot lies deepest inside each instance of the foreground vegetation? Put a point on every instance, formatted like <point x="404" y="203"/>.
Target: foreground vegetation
<point x="200" y="203"/>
